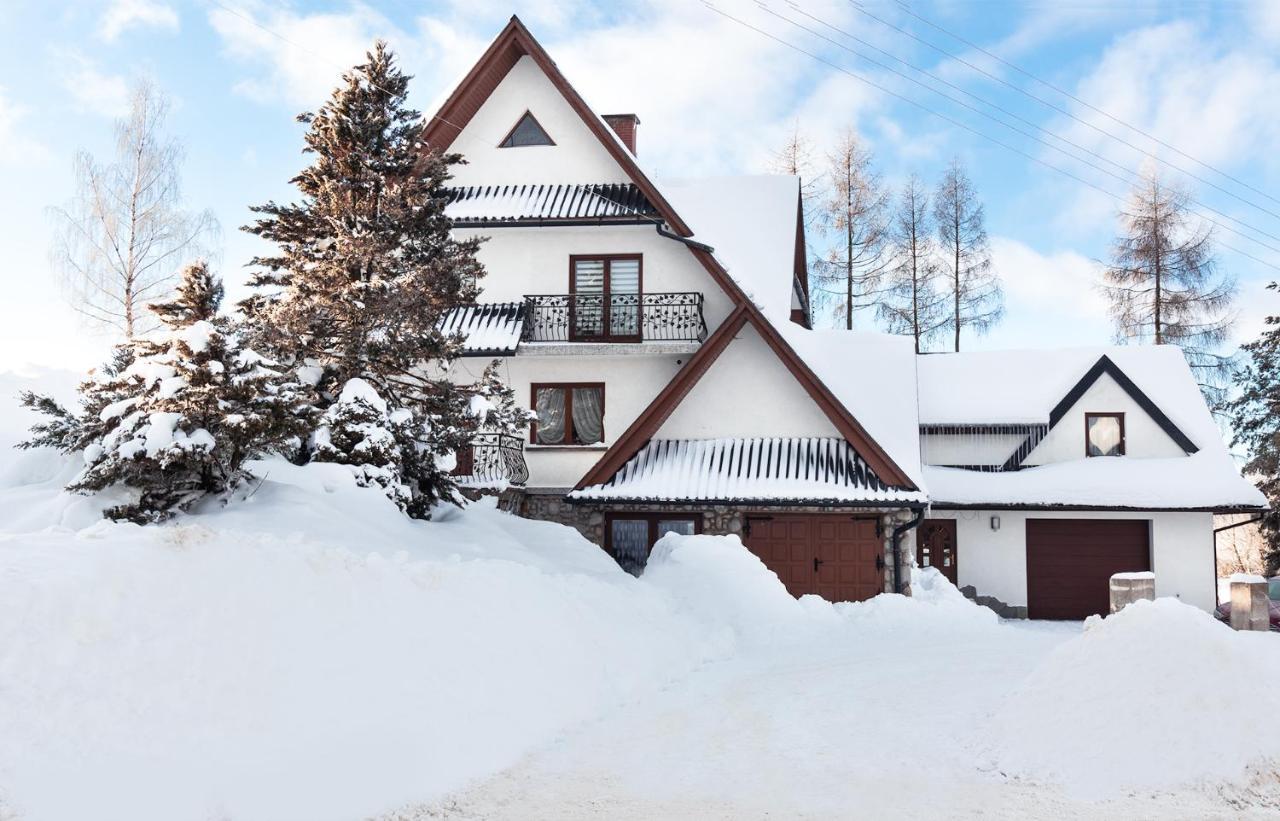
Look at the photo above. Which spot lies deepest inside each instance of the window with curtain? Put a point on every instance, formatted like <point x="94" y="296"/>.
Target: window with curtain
<point x="631" y="536"/>
<point x="606" y="296"/>
<point x="568" y="414"/>
<point x="1104" y="434"/>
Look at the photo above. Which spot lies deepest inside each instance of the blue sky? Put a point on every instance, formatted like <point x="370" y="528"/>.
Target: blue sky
<point x="713" y="96"/>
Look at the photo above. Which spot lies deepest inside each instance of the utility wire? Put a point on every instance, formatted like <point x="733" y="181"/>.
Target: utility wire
<point x="858" y="6"/>
<point x="957" y="123"/>
<point x="1131" y="175"/>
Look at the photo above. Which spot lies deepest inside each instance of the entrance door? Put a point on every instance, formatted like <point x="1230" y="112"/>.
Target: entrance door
<point x="936" y="547"/>
<point x="840" y="558"/>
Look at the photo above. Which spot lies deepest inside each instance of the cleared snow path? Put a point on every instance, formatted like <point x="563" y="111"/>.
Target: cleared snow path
<point x="821" y="730"/>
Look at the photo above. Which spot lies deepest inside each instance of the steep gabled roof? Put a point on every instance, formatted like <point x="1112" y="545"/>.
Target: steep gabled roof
<point x="512" y="43"/>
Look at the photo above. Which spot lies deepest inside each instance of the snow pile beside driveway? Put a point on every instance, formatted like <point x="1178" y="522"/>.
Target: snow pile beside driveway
<point x="309" y="653"/>
<point x="1156" y="696"/>
<point x="716" y="581"/>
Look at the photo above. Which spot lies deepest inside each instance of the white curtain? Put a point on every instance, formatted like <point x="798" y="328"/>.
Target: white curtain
<point x="550" y="416"/>
<point x="588" y="416"/>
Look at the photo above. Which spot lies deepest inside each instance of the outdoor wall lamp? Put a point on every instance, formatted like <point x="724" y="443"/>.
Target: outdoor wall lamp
<point x="995" y="522"/>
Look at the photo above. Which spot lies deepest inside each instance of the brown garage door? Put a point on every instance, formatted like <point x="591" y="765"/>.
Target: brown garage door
<point x="1070" y="563"/>
<point x="840" y="558"/>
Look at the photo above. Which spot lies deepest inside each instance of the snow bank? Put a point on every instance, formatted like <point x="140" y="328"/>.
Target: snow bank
<point x="307" y="653"/>
<point x="1156" y="696"/>
<point x="716" y="581"/>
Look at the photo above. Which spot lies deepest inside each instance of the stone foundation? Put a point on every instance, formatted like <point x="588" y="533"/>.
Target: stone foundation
<point x="720" y="520"/>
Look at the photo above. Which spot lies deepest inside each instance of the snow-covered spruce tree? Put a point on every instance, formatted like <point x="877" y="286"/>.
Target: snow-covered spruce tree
<point x="365" y="270"/>
<point x="1255" y="417"/>
<point x="176" y="415"/>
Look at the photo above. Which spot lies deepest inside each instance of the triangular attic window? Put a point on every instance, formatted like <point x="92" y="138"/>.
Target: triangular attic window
<point x="526" y="132"/>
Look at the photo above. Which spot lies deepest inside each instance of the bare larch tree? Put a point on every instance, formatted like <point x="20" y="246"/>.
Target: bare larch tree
<point x="795" y="158"/>
<point x="977" y="298"/>
<point x="855" y="217"/>
<point x="911" y="303"/>
<point x="122" y="238"/>
<point x="1162" y="282"/>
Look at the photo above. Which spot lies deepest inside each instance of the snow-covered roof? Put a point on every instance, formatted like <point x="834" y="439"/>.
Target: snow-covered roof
<point x="489" y="204"/>
<point x="750" y="221"/>
<point x="813" y="470"/>
<point x="1201" y="481"/>
<point x="1023" y="387"/>
<point x="489" y="329"/>
<point x="873" y="375"/>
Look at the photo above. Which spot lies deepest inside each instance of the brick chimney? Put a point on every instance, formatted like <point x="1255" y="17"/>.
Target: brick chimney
<point x="625" y="126"/>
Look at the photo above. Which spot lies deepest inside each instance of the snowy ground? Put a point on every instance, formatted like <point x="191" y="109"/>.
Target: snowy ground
<point x="308" y="653"/>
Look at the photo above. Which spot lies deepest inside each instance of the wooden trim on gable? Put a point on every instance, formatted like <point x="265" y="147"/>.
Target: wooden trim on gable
<point x="512" y="43"/>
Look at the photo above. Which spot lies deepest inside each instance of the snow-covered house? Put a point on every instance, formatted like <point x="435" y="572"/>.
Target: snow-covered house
<point x="661" y="332"/>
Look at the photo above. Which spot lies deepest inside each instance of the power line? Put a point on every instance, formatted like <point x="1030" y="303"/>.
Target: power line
<point x="998" y="121"/>
<point x="955" y="122"/>
<point x="858" y="6"/>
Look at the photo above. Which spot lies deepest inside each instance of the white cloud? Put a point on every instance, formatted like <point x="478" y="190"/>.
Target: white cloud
<point x="106" y="94"/>
<point x="302" y="71"/>
<point x="1062" y="282"/>
<point x="125" y="14"/>
<point x="15" y="147"/>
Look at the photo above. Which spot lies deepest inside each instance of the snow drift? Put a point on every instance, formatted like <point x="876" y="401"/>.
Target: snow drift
<point x="1156" y="696"/>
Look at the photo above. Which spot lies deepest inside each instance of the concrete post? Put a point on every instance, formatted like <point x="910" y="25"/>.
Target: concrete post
<point x="1249" y="602"/>
<point x="1127" y="588"/>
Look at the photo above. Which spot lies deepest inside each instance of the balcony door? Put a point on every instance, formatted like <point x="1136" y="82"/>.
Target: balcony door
<point x="605" y="298"/>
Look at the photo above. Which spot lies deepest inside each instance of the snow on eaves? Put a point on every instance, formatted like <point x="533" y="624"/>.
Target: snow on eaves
<point x="1203" y="481"/>
<point x="804" y="469"/>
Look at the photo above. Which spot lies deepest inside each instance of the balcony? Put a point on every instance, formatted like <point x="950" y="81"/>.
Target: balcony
<point x="614" y="318"/>
<point x="494" y="460"/>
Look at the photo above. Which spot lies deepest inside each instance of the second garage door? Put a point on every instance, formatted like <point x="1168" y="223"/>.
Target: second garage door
<point x="840" y="558"/>
<point x="1070" y="563"/>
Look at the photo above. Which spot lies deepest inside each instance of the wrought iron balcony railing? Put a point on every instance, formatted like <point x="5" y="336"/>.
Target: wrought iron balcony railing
<point x="493" y="460"/>
<point x="670" y="317"/>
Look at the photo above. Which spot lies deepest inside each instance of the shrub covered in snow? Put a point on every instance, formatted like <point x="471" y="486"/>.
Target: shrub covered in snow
<point x="175" y="417"/>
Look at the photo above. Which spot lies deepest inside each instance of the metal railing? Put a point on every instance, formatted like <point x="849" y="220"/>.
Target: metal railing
<point x="493" y="460"/>
<point x="672" y="317"/>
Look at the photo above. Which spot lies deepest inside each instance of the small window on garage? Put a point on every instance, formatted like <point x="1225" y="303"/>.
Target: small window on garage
<point x="1104" y="434"/>
<point x="629" y="537"/>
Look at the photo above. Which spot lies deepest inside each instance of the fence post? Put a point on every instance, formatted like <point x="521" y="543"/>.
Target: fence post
<point x="1249" y="602"/>
<point x="1127" y="588"/>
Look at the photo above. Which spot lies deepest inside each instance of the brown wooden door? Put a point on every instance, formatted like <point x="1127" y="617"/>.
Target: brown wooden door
<point x="838" y="557"/>
<point x="850" y="558"/>
<point x="1070" y="563"/>
<point x="936" y="547"/>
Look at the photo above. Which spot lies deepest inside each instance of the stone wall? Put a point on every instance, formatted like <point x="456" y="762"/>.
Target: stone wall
<point x="589" y="520"/>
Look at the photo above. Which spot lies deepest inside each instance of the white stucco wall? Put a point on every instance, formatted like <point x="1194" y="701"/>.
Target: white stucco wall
<point x="994" y="562"/>
<point x="524" y="261"/>
<point x="631" y="383"/>
<point x="747" y="392"/>
<point x="577" y="155"/>
<point x="1143" y="437"/>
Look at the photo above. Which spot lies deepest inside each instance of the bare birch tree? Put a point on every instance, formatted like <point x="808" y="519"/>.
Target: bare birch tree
<point x="911" y="303"/>
<point x="121" y="240"/>
<point x="856" y="220"/>
<point x="1162" y="282"/>
<point x="977" y="298"/>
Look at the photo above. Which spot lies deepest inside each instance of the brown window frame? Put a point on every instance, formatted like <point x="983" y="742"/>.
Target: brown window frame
<point x="1118" y="416"/>
<point x="652" y="518"/>
<point x="568" y="413"/>
<point x="520" y="119"/>
<point x="606" y="304"/>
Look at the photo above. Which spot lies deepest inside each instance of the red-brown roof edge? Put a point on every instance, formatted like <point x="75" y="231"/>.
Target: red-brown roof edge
<point x="511" y="43"/>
